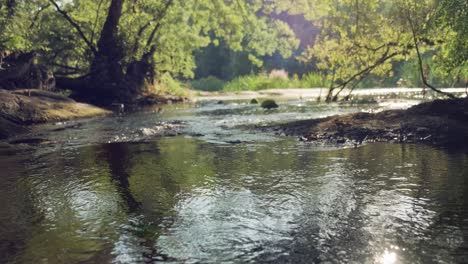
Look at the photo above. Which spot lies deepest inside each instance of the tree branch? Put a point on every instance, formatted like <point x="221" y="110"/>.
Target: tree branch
<point x="136" y="43"/>
<point x="158" y="24"/>
<point x="36" y="16"/>
<point x="98" y="11"/>
<point x="420" y="63"/>
<point x="76" y="26"/>
<point x="361" y="74"/>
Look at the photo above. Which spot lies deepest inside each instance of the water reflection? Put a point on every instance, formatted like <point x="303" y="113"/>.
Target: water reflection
<point x="184" y="200"/>
<point x="117" y="155"/>
<point x="388" y="257"/>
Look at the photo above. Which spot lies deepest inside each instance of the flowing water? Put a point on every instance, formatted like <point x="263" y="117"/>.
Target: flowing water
<point x="103" y="191"/>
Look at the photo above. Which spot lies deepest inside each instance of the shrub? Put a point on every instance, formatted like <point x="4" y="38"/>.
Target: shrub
<point x="314" y="80"/>
<point x="167" y="85"/>
<point x="278" y="74"/>
<point x="209" y="84"/>
<point x="255" y="83"/>
<point x="277" y="79"/>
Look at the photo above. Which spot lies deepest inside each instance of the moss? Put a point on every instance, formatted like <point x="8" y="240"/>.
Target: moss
<point x="62" y="111"/>
<point x="18" y="109"/>
<point x="254" y="101"/>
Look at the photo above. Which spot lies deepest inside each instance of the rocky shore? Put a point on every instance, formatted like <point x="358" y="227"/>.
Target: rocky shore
<point x="440" y="122"/>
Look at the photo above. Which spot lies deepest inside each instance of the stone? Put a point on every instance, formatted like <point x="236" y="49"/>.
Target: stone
<point x="269" y="104"/>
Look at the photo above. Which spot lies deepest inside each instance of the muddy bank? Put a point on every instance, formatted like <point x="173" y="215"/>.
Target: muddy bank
<point x="441" y="122"/>
<point x="25" y="107"/>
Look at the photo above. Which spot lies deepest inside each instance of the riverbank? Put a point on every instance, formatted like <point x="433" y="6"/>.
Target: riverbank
<point x="315" y="93"/>
<point x="21" y="108"/>
<point x="440" y="122"/>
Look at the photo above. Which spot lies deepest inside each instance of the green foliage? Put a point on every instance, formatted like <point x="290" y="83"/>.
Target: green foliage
<point x="367" y="38"/>
<point x="356" y="40"/>
<point x="210" y="83"/>
<point x="167" y="85"/>
<point x="262" y="82"/>
<point x="220" y="61"/>
<point x="255" y="83"/>
<point x="175" y="33"/>
<point x="373" y="39"/>
<point x="453" y="14"/>
<point x="314" y="80"/>
<point x="16" y="31"/>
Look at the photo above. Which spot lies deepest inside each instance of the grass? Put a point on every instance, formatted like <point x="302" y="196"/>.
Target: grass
<point x="166" y="85"/>
<point x="259" y="82"/>
<point x="209" y="84"/>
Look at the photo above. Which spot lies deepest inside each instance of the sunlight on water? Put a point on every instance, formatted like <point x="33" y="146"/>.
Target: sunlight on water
<point x="220" y="193"/>
<point x="388" y="257"/>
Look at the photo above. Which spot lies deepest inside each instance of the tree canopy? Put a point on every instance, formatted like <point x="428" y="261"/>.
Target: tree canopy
<point x="364" y="37"/>
<point x="116" y="45"/>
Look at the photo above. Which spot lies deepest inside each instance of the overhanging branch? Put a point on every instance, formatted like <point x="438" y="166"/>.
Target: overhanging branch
<point x="76" y="26"/>
<point x="420" y="63"/>
<point x="160" y="16"/>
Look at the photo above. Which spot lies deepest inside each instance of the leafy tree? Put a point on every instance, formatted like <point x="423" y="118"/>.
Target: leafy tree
<point x="453" y="58"/>
<point x="363" y="37"/>
<point x="114" y="49"/>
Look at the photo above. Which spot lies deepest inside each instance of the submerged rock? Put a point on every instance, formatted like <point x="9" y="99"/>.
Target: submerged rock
<point x="162" y="129"/>
<point x="254" y="101"/>
<point x="269" y="104"/>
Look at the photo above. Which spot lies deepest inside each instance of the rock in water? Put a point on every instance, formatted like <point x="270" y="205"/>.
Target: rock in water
<point x="269" y="104"/>
<point x="254" y="101"/>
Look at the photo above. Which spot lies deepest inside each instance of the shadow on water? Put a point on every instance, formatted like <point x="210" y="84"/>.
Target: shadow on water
<point x="200" y="200"/>
<point x="118" y="156"/>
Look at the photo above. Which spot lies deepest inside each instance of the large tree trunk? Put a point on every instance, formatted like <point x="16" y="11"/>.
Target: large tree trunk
<point x="109" y="49"/>
<point x="108" y="82"/>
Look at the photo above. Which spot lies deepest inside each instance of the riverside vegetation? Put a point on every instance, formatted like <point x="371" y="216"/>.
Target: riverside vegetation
<point x="88" y="48"/>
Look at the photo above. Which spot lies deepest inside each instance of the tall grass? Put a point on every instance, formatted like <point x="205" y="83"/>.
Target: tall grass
<point x="167" y="85"/>
<point x="255" y="83"/>
<point x="209" y="84"/>
<point x="261" y="82"/>
<point x="276" y="79"/>
<point x="315" y="80"/>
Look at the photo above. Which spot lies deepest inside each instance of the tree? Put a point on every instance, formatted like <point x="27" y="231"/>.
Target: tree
<point x="361" y="37"/>
<point x="111" y="50"/>
<point x="357" y="39"/>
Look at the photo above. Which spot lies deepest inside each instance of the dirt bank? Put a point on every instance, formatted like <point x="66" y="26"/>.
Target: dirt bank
<point x="25" y="107"/>
<point x="440" y="122"/>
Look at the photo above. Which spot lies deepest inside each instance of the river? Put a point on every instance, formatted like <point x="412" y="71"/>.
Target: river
<point x="215" y="191"/>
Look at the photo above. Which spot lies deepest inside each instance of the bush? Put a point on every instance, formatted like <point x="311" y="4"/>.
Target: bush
<point x="256" y="82"/>
<point x="278" y="74"/>
<point x="167" y="85"/>
<point x="314" y="80"/>
<point x="277" y="79"/>
<point x="209" y="84"/>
